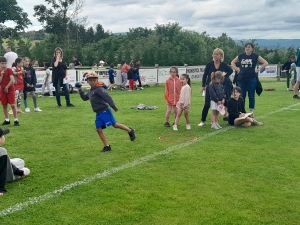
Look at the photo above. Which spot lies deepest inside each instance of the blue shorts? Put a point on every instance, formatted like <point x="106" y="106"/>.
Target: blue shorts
<point x="105" y="119"/>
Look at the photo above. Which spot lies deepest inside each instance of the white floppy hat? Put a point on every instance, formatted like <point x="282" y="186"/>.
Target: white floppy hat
<point x="101" y="62"/>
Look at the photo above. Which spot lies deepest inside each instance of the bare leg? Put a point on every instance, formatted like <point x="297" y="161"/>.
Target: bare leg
<point x="296" y="87"/>
<point x="175" y="111"/>
<point x="121" y="126"/>
<point x="168" y="113"/>
<point x="179" y="113"/>
<point x="5" y="111"/>
<point x="14" y="109"/>
<point x="186" y="115"/>
<point x="102" y="136"/>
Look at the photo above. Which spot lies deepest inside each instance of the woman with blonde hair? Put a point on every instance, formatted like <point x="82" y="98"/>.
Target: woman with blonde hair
<point x="59" y="73"/>
<point x="216" y="65"/>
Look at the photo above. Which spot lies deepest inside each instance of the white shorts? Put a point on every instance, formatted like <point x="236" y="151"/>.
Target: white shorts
<point x="213" y="105"/>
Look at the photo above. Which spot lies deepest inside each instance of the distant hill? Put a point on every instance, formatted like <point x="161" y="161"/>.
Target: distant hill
<point x="274" y="43"/>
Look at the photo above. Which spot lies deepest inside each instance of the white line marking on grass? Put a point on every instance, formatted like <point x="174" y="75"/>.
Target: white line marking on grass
<point x="48" y="195"/>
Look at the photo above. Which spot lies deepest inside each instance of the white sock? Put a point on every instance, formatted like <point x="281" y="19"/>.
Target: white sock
<point x="7" y="119"/>
<point x="16" y="119"/>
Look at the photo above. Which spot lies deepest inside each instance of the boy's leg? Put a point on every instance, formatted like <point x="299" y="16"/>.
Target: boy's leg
<point x="5" y="112"/>
<point x="14" y="109"/>
<point x="131" y="132"/>
<point x="102" y="136"/>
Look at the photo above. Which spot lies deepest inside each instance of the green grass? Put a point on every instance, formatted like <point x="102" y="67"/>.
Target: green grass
<point x="239" y="176"/>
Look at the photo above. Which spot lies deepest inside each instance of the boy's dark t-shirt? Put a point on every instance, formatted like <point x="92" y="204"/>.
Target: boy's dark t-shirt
<point x="111" y="74"/>
<point x="248" y="66"/>
<point x="76" y="62"/>
<point x="130" y="74"/>
<point x="6" y="79"/>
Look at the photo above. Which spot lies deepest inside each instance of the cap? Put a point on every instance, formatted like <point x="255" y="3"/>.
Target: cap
<point x="91" y="75"/>
<point x="4" y="131"/>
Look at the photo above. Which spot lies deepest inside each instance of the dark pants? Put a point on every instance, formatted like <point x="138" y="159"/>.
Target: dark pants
<point x="206" y="105"/>
<point x="139" y="80"/>
<point x="3" y="172"/>
<point x="66" y="91"/>
<point x="250" y="87"/>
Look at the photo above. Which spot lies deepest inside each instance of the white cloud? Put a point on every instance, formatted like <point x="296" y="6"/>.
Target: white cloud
<point x="238" y="19"/>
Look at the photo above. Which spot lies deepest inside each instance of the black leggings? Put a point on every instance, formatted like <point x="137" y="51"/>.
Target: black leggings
<point x="206" y="105"/>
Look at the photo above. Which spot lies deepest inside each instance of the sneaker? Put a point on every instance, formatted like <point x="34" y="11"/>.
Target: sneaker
<point x="27" y="110"/>
<point x="201" y="124"/>
<point x="218" y="125"/>
<point x="167" y="124"/>
<point x="296" y="96"/>
<point x="70" y="105"/>
<point x="41" y="96"/>
<point x="188" y="126"/>
<point x="130" y="90"/>
<point x="257" y="123"/>
<point x="131" y="134"/>
<point x="37" y="109"/>
<point x="16" y="123"/>
<point x="10" y="112"/>
<point x="6" y="122"/>
<point x="141" y="88"/>
<point x="175" y="127"/>
<point x="51" y="96"/>
<point x="214" y="126"/>
<point x="106" y="148"/>
<point x="26" y="171"/>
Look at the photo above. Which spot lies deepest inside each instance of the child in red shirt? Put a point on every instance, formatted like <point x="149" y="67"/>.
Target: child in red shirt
<point x="172" y="93"/>
<point x="7" y="91"/>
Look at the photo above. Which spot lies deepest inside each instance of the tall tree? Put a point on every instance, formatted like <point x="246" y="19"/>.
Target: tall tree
<point x="56" y="17"/>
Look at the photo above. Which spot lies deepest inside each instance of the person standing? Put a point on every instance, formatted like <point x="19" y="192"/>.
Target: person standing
<point x="247" y="78"/>
<point x="297" y="84"/>
<point x="10" y="56"/>
<point x="216" y="65"/>
<point x="59" y="77"/>
<point x="124" y="71"/>
<point x="75" y="61"/>
<point x="286" y="67"/>
<point x="137" y="71"/>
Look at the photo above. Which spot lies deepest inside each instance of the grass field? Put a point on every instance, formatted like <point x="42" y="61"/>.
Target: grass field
<point x="231" y="176"/>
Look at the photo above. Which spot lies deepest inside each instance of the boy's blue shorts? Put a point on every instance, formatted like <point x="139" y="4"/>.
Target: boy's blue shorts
<point x="105" y="119"/>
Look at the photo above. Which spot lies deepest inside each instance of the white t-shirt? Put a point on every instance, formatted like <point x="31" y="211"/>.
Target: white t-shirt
<point x="11" y="58"/>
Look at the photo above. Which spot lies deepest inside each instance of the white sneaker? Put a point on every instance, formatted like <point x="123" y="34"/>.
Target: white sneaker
<point x="214" y="126"/>
<point x="141" y="88"/>
<point x="37" y="109"/>
<point x="200" y="124"/>
<point x="26" y="171"/>
<point x="27" y="110"/>
<point x="175" y="127"/>
<point x="41" y="96"/>
<point x="218" y="125"/>
<point x="51" y="96"/>
<point x="188" y="126"/>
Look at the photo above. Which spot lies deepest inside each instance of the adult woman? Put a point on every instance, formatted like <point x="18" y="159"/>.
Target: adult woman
<point x="247" y="78"/>
<point x="59" y="73"/>
<point x="216" y="65"/>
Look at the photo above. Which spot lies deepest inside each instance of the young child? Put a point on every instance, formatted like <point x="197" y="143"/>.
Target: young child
<point x="9" y="171"/>
<point x="217" y="97"/>
<point x="184" y="101"/>
<point x="130" y="77"/>
<point x="101" y="101"/>
<point x="112" y="75"/>
<point x="19" y="83"/>
<point x="172" y="93"/>
<point x="236" y="110"/>
<point x="29" y="85"/>
<point x="46" y="81"/>
<point x="7" y="91"/>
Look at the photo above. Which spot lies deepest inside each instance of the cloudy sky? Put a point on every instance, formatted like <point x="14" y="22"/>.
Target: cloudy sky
<point x="240" y="19"/>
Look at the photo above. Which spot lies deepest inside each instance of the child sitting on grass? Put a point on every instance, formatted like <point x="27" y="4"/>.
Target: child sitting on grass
<point x="101" y="101"/>
<point x="237" y="113"/>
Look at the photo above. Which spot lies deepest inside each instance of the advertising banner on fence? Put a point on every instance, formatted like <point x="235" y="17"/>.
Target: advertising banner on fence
<point x="195" y="72"/>
<point x="148" y="76"/>
<point x="268" y="71"/>
<point x="103" y="76"/>
<point x="41" y="75"/>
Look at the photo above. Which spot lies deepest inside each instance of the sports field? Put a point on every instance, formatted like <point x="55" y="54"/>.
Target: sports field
<point x="228" y="176"/>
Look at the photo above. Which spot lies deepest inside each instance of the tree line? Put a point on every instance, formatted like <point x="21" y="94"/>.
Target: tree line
<point x="166" y="44"/>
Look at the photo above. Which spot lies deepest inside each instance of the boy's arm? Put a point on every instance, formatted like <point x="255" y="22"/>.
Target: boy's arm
<point x="84" y="97"/>
<point x="1" y="75"/>
<point x="12" y="80"/>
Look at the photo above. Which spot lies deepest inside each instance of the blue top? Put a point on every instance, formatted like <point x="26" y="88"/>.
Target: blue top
<point x="248" y="65"/>
<point x="298" y="59"/>
<point x="111" y="74"/>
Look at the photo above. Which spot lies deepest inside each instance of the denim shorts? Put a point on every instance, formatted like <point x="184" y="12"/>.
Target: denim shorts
<point x="105" y="119"/>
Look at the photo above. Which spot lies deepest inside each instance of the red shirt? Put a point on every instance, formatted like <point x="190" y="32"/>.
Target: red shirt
<point x="19" y="85"/>
<point x="6" y="79"/>
<point x="125" y="68"/>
